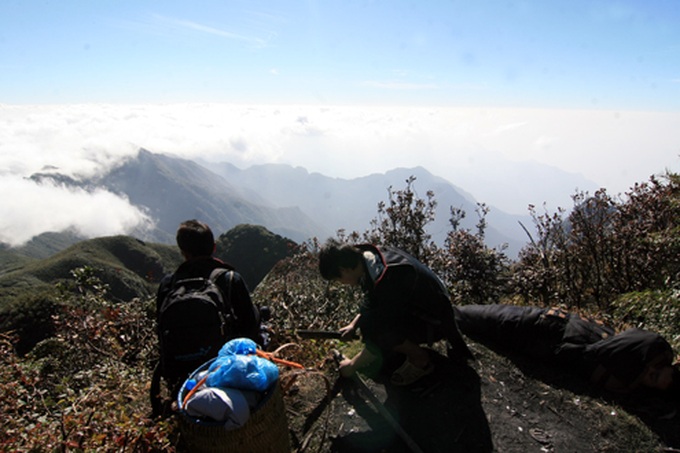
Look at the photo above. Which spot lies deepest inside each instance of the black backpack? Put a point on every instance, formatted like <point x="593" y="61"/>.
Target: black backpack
<point x="194" y="321"/>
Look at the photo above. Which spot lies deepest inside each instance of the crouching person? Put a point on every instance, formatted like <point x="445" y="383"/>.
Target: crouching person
<point x="618" y="362"/>
<point x="405" y="306"/>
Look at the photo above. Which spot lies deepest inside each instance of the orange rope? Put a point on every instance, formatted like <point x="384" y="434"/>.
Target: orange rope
<point x="193" y="390"/>
<point x="270" y="356"/>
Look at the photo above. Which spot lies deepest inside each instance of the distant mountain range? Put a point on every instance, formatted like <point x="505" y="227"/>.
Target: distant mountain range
<point x="350" y="204"/>
<point x="286" y="200"/>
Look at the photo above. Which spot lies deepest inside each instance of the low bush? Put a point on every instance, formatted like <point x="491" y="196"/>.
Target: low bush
<point x="655" y="310"/>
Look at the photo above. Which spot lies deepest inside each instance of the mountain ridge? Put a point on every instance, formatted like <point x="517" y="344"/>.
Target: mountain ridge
<point x="171" y="189"/>
<point x="289" y="201"/>
<point x="133" y="268"/>
<point x="355" y="201"/>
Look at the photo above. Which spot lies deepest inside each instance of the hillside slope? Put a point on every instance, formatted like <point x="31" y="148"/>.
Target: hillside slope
<point x="97" y="359"/>
<point x="496" y="403"/>
<point x="253" y="250"/>
<point x="133" y="268"/>
<point x="130" y="267"/>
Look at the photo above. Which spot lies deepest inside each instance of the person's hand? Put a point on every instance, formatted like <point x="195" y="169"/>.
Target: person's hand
<point x="347" y="368"/>
<point x="347" y="331"/>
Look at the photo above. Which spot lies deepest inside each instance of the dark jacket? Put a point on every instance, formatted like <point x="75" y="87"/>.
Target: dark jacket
<point x="406" y="300"/>
<point x="247" y="316"/>
<point x="538" y="332"/>
<point x="612" y="361"/>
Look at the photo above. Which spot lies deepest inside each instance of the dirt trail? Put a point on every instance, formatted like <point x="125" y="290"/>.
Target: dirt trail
<point x="493" y="405"/>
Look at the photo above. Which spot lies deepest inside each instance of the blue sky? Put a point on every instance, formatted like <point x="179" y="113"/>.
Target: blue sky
<point x="516" y="102"/>
<point x="544" y="54"/>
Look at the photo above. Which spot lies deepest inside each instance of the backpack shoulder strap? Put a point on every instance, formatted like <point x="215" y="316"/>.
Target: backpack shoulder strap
<point x="214" y="276"/>
<point x="217" y="273"/>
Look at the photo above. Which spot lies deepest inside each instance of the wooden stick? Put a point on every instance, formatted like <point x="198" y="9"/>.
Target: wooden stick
<point x="380" y="407"/>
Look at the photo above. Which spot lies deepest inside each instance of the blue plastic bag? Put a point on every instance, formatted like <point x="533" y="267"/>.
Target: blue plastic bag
<point x="245" y="372"/>
<point x="243" y="346"/>
<point x="237" y="366"/>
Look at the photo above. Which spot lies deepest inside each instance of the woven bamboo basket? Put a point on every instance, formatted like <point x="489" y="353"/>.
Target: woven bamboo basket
<point x="266" y="431"/>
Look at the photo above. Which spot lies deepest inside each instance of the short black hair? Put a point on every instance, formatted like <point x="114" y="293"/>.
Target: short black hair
<point x="195" y="238"/>
<point x="335" y="255"/>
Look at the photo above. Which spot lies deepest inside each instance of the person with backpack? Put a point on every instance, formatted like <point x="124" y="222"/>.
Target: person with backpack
<point x="405" y="306"/>
<point x="199" y="307"/>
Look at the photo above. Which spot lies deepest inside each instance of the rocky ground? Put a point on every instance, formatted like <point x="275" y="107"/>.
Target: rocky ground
<point x="493" y="405"/>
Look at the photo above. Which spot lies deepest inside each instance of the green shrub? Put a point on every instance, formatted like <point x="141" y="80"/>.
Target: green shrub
<point x="606" y="246"/>
<point x="655" y="310"/>
<point x="29" y="318"/>
<point x="85" y="387"/>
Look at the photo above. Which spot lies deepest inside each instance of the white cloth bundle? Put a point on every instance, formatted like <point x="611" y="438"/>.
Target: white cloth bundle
<point x="226" y="405"/>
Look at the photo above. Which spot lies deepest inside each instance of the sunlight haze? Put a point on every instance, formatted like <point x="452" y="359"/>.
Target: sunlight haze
<point x="472" y="91"/>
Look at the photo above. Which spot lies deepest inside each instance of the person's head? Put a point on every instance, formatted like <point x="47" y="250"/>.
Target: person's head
<point x="659" y="372"/>
<point x="195" y="239"/>
<point x="340" y="262"/>
<point x="659" y="377"/>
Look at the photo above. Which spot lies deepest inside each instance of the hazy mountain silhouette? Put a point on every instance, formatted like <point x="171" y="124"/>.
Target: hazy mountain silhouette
<point x="287" y="200"/>
<point x="172" y="190"/>
<point x="350" y="204"/>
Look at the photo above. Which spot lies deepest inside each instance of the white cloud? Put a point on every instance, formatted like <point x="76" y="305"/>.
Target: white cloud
<point x="545" y="142"/>
<point x="509" y="127"/>
<point x="195" y="26"/>
<point x="614" y="149"/>
<point x="38" y="208"/>
<point x="160" y="25"/>
<point x="401" y="86"/>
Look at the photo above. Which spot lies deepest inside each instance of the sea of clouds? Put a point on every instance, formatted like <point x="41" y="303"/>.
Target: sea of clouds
<point x="473" y="148"/>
